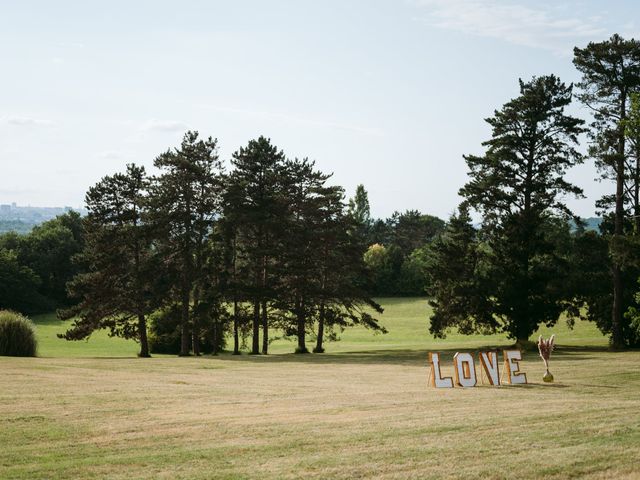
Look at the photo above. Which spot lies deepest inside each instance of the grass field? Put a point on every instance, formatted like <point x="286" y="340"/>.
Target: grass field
<point x="363" y="410"/>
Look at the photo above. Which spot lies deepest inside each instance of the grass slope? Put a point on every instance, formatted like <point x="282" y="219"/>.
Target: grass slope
<point x="361" y="411"/>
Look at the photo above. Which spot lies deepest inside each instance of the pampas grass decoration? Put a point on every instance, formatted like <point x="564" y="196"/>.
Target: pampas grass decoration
<point x="545" y="347"/>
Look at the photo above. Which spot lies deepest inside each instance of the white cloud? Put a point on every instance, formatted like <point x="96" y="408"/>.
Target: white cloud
<point x="25" y="122"/>
<point x="538" y="26"/>
<point x="164" y="126"/>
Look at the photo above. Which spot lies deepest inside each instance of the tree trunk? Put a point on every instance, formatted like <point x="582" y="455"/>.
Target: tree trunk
<point x="265" y="320"/>
<point x="195" y="337"/>
<point x="142" y="333"/>
<point x="265" y="328"/>
<point x="323" y="284"/>
<point x="636" y="196"/>
<point x="255" y="347"/>
<point x="522" y="330"/>
<point x="186" y="282"/>
<point x="302" y="346"/>
<point x="142" y="321"/>
<point x="215" y="338"/>
<point x="184" y="323"/>
<point x="522" y="317"/>
<point x="236" y="339"/>
<point x="319" y="348"/>
<point x="617" y="338"/>
<point x="195" y="331"/>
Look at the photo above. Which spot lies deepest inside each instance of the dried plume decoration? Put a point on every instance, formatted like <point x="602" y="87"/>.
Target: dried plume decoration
<point x="545" y="347"/>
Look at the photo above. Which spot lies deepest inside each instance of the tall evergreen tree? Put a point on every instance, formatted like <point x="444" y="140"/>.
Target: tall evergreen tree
<point x="119" y="291"/>
<point x="185" y="199"/>
<point x="301" y="249"/>
<point x="342" y="299"/>
<point x="331" y="232"/>
<point x="610" y="74"/>
<point x="517" y="186"/>
<point x="360" y="212"/>
<point x="258" y="211"/>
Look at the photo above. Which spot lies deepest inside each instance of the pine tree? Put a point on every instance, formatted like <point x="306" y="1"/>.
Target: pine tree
<point x="301" y="252"/>
<point x="360" y="212"/>
<point x="518" y="187"/>
<point x="119" y="290"/>
<point x="343" y="298"/>
<point x="185" y="199"/>
<point x="610" y="74"/>
<point x="258" y="210"/>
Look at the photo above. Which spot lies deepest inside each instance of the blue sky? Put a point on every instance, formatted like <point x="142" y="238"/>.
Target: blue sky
<point x="390" y="94"/>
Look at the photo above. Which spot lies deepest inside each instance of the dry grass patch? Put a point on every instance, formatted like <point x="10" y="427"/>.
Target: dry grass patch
<point x="363" y="411"/>
<point x="340" y="417"/>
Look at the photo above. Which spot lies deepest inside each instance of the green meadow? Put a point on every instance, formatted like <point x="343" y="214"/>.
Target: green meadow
<point x="91" y="409"/>
<point x="405" y="318"/>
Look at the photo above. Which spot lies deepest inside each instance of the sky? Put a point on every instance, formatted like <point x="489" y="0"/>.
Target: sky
<point x="387" y="93"/>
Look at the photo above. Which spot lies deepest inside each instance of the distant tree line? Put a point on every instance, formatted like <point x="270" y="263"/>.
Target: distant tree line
<point x="36" y="267"/>
<point x="15" y="226"/>
<point x="395" y="256"/>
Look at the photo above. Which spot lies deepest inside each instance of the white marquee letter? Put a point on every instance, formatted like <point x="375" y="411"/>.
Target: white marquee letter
<point x="436" y="377"/>
<point x="512" y="367"/>
<point x="465" y="369"/>
<point x="489" y="362"/>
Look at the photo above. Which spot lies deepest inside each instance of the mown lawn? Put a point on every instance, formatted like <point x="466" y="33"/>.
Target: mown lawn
<point x="93" y="410"/>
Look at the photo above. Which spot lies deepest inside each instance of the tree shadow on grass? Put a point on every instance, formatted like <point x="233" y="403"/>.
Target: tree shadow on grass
<point x="47" y="319"/>
<point x="573" y="352"/>
<point x="537" y="385"/>
<point x="406" y="357"/>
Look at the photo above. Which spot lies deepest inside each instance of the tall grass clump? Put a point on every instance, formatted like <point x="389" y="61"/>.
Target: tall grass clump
<point x="17" y="335"/>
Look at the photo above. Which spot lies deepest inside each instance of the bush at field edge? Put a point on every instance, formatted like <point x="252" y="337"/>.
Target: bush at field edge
<point x="17" y="335"/>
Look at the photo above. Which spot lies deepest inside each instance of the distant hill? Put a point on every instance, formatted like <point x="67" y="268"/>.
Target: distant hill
<point x="15" y="226"/>
<point x="592" y="223"/>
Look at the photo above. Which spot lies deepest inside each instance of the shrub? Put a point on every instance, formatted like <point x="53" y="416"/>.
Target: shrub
<point x="164" y="332"/>
<point x="17" y="335"/>
<point x="633" y="333"/>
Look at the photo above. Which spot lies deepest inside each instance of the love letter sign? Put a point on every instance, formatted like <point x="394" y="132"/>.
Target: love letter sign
<point x="464" y="368"/>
